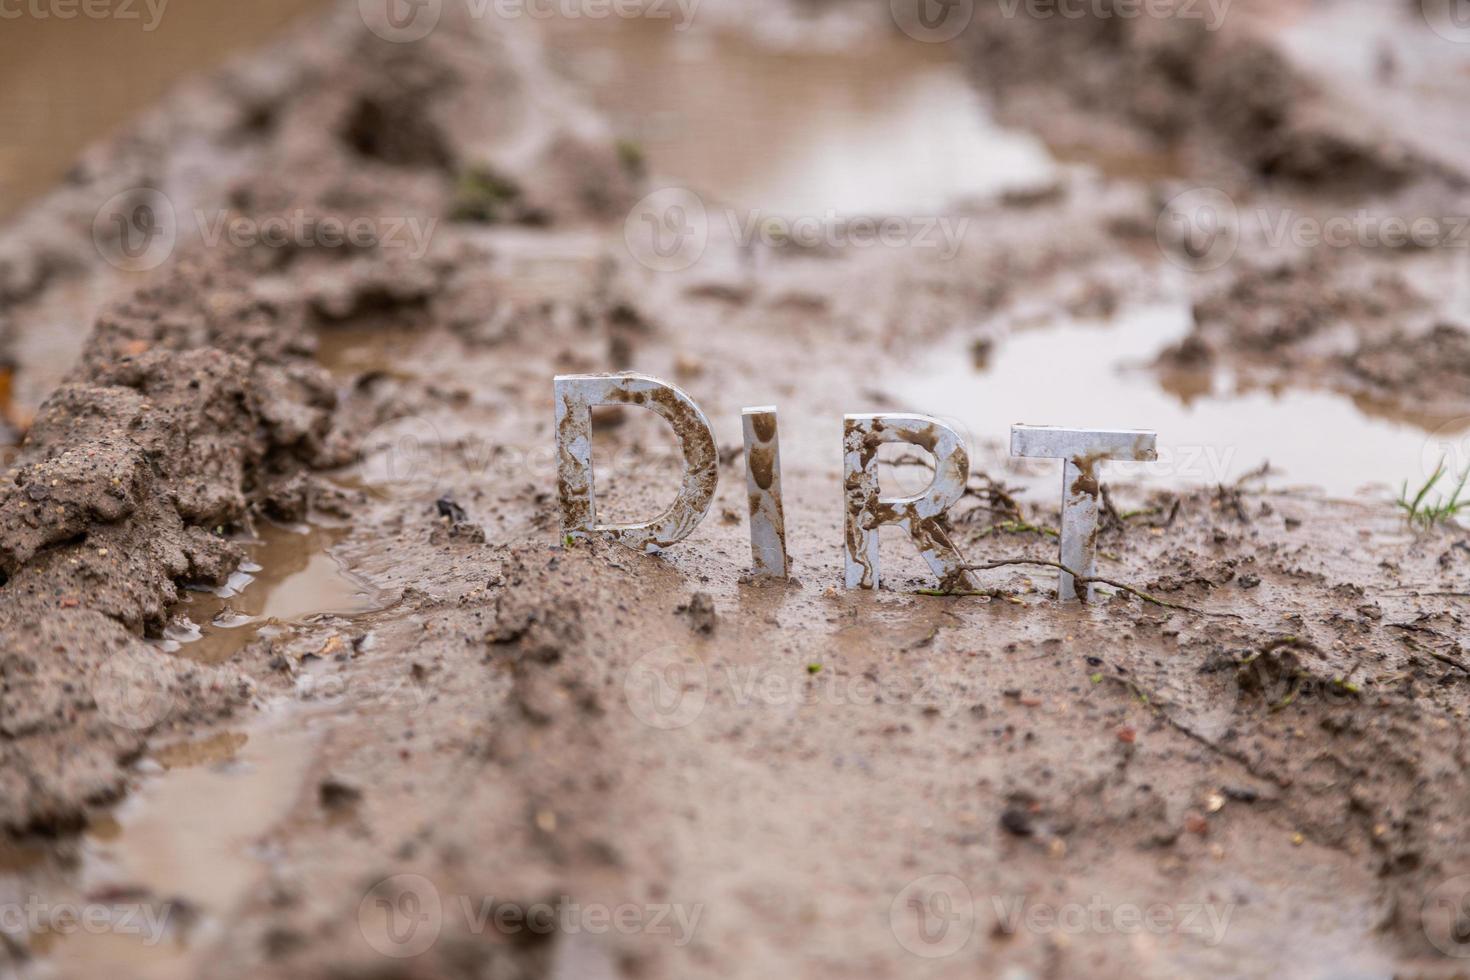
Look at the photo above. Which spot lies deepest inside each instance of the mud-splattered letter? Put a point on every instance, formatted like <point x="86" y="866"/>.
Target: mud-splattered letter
<point x="763" y="485"/>
<point x="575" y="396"/>
<point x="920" y="515"/>
<point x="1084" y="450"/>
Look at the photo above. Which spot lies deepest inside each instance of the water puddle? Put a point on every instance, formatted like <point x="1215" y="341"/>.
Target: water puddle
<point x="351" y="352"/>
<point x="68" y="79"/>
<point x="291" y="577"/>
<point x="885" y="126"/>
<point x="1212" y="429"/>
<point x="181" y="854"/>
<point x="889" y="126"/>
<point x="16" y="857"/>
<point x="1393" y="60"/>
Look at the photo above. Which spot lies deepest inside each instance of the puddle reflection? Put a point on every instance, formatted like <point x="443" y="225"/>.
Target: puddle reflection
<point x="291" y="576"/>
<point x="1211" y="428"/>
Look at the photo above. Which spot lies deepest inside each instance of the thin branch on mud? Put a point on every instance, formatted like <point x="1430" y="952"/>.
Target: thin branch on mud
<point x="1259" y="473"/>
<point x="1094" y="580"/>
<point x="1018" y="527"/>
<point x="994" y="497"/>
<point x="1445" y="658"/>
<point x="1157" y="707"/>
<point x="1111" y="515"/>
<point x="1426" y="595"/>
<point x="1417" y="647"/>
<point x="962" y="593"/>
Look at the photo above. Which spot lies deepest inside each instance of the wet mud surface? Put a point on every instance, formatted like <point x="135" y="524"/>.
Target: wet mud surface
<point x="436" y="696"/>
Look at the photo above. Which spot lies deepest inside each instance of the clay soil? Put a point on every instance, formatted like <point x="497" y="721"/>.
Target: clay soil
<point x="1263" y="733"/>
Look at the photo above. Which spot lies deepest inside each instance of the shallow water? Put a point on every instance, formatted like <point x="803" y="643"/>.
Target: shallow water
<point x="894" y="128"/>
<point x="65" y="83"/>
<point x="291" y="576"/>
<point x="187" y="847"/>
<point x="885" y="127"/>
<point x="1211" y="428"/>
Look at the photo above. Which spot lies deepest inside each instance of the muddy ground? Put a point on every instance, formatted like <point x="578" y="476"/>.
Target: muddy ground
<point x="771" y="778"/>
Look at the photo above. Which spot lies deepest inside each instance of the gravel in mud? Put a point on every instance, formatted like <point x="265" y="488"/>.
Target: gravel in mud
<point x="786" y="774"/>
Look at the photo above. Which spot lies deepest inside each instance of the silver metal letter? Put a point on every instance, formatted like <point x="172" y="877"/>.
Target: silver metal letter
<point x="575" y="396"/>
<point x="918" y="515"/>
<point x="763" y="484"/>
<point x="1083" y="450"/>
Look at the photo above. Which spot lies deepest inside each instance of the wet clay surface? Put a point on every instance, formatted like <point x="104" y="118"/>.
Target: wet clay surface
<point x="1275" y="731"/>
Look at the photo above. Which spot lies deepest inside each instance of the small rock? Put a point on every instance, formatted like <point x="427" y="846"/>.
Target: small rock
<point x="450" y="510"/>
<point x="338" y="794"/>
<point x="701" y="612"/>
<point x="1017" y="821"/>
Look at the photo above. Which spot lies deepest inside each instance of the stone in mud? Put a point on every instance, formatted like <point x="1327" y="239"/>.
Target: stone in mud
<point x="337" y="794"/>
<point x="1017" y="821"/>
<point x="73" y="712"/>
<point x="700" y="610"/>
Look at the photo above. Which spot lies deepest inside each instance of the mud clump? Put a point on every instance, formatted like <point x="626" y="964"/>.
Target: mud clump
<point x="189" y="402"/>
<point x="1435" y="361"/>
<point x="1171" y="81"/>
<point x="1269" y="308"/>
<point x="700" y="611"/>
<point x="72" y="713"/>
<point x="196" y="403"/>
<point x="1315" y="321"/>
